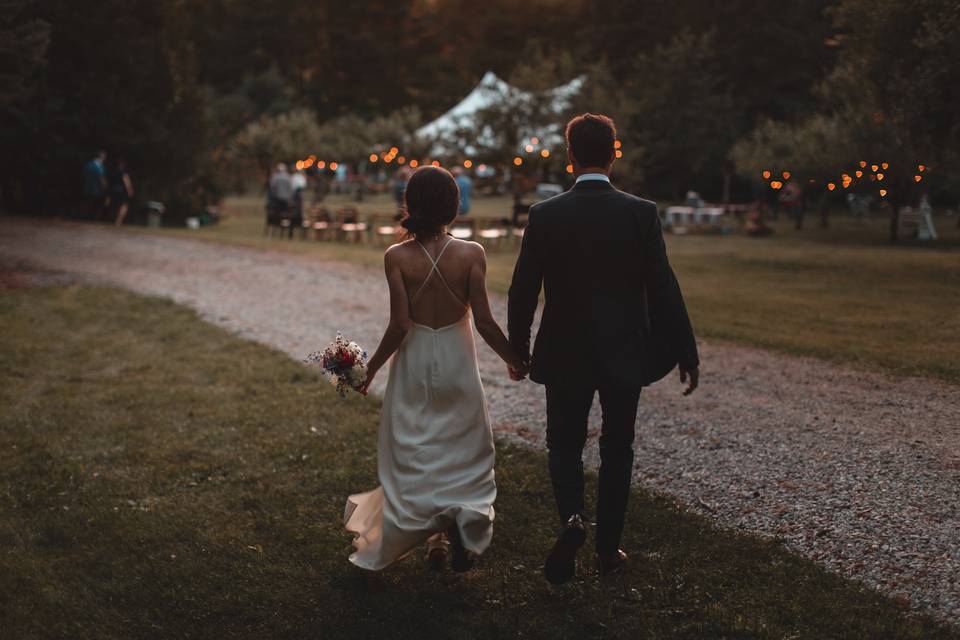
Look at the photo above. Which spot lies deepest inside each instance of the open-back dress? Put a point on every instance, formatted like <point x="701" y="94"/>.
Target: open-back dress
<point x="435" y="449"/>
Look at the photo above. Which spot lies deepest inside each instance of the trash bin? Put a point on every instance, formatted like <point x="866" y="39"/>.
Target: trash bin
<point x="154" y="213"/>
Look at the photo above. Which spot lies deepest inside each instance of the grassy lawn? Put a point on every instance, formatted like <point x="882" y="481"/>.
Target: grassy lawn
<point x="840" y="294"/>
<point x="161" y="478"/>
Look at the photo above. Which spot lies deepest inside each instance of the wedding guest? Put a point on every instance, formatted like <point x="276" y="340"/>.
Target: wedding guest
<point x="466" y="189"/>
<point x="95" y="185"/>
<point x="120" y="189"/>
<point x="280" y="190"/>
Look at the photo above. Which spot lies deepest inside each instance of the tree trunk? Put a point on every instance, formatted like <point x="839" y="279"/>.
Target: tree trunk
<point x="894" y="220"/>
<point x="824" y="210"/>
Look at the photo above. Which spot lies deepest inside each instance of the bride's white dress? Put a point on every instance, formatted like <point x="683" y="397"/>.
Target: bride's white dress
<point x="435" y="448"/>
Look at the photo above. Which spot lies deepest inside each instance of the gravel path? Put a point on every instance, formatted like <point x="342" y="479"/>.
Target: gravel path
<point x="858" y="471"/>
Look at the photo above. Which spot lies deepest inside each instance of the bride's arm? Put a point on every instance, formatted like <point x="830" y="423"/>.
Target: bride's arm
<point x="400" y="321"/>
<point x="487" y="326"/>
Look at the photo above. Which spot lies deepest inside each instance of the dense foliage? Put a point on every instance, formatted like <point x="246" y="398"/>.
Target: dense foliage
<point x="179" y="86"/>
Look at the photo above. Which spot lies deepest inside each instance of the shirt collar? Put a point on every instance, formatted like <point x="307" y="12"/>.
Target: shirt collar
<point x="593" y="176"/>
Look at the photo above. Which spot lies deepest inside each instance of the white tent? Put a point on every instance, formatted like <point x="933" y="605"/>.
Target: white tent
<point x="488" y="92"/>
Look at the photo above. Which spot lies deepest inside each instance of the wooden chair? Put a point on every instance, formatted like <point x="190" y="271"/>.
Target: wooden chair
<point x="322" y="225"/>
<point x="351" y="229"/>
<point x="463" y="228"/>
<point x="384" y="229"/>
<point x="492" y="234"/>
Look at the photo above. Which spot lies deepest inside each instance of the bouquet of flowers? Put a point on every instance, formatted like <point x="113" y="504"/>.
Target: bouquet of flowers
<point x="344" y="362"/>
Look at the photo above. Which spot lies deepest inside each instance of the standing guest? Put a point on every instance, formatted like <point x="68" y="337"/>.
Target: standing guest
<point x="281" y="190"/>
<point x="466" y="189"/>
<point x="400" y="184"/>
<point x="95" y="185"/>
<point x="121" y="189"/>
<point x="298" y="184"/>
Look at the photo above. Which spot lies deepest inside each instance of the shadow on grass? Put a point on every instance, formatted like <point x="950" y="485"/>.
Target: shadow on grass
<point x="162" y="478"/>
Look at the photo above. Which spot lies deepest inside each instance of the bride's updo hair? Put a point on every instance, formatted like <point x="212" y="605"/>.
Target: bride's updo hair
<point x="431" y="202"/>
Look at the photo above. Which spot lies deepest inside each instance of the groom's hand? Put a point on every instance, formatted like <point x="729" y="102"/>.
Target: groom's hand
<point x="517" y="374"/>
<point x="694" y="375"/>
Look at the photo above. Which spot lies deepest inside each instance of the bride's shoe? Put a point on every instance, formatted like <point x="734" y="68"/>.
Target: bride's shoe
<point x="462" y="559"/>
<point x="437" y="551"/>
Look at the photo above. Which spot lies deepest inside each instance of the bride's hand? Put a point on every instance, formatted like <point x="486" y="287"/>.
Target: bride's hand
<point x="371" y="373"/>
<point x="518" y="373"/>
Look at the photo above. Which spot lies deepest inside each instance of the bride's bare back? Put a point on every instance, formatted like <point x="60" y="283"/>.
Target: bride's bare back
<point x="436" y="276"/>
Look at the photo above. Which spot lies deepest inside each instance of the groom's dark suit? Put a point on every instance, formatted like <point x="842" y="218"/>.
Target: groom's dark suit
<point x="613" y="321"/>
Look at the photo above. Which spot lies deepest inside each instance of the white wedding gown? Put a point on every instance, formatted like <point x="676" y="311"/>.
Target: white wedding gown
<point x="435" y="451"/>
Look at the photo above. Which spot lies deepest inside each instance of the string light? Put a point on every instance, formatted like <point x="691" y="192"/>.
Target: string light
<point x="414" y="164"/>
<point x="468" y="163"/>
<point x="859" y="174"/>
<point x="373" y="157"/>
<point x="618" y="153"/>
<point x="435" y="163"/>
<point x="321" y="165"/>
<point x="528" y="148"/>
<point x="884" y="165"/>
<point x="786" y="175"/>
<point x="831" y="186"/>
<point x="766" y="175"/>
<point x="518" y="161"/>
<point x="401" y="160"/>
<point x="917" y="178"/>
<point x="874" y="168"/>
<point x="879" y="176"/>
<point x="883" y="193"/>
<point x="535" y="140"/>
<point x="863" y="164"/>
<point x="616" y="144"/>
<point x="921" y="168"/>
<point x="394" y="151"/>
<point x="333" y="166"/>
<point x="545" y="153"/>
<point x="569" y="168"/>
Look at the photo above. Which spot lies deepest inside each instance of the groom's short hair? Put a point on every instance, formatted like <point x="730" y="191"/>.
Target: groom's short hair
<point x="591" y="138"/>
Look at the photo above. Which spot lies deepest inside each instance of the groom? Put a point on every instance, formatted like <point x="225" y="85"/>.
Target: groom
<point x="613" y="321"/>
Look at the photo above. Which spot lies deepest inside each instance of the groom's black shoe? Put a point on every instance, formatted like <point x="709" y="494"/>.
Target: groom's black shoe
<point x="562" y="562"/>
<point x="607" y="564"/>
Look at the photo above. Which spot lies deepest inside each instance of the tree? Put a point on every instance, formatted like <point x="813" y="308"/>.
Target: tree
<point x="678" y="115"/>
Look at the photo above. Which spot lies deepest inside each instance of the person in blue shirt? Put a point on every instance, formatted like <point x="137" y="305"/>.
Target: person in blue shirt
<point x="95" y="185"/>
<point x="466" y="189"/>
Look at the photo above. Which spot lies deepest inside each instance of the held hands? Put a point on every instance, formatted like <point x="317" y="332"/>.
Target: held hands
<point x="518" y="373"/>
<point x="694" y="375"/>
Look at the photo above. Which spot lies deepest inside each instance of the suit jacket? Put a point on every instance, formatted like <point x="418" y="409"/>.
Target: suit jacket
<point x="613" y="311"/>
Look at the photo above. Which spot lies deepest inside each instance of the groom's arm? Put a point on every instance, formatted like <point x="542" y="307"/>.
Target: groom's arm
<point x="524" y="291"/>
<point x="664" y="296"/>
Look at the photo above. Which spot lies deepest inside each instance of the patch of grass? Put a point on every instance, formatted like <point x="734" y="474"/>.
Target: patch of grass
<point x="840" y="294"/>
<point x="162" y="478"/>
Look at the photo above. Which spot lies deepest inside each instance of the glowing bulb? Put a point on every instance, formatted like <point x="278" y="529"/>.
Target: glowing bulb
<point x="786" y="175"/>
<point x="394" y="151"/>
<point x="863" y="163"/>
<point x="618" y="153"/>
<point x="545" y="153"/>
<point x="859" y="174"/>
<point x="414" y="164"/>
<point x="373" y="157"/>
<point x="766" y="175"/>
<point x="884" y="165"/>
<point x="569" y="168"/>
<point x="535" y="140"/>
<point x="333" y="166"/>
<point x="831" y="186"/>
<point x="435" y="163"/>
<point x="299" y="165"/>
<point x="921" y="168"/>
<point x="401" y="160"/>
<point x="528" y="148"/>
<point x="917" y="178"/>
<point x="468" y="163"/>
<point x="616" y="144"/>
<point x="874" y="168"/>
<point x="321" y="165"/>
<point x="518" y="161"/>
<point x="482" y="167"/>
<point x="879" y="176"/>
<point x="883" y="193"/>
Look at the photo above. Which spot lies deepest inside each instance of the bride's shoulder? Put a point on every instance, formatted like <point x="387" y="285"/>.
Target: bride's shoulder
<point x="470" y="248"/>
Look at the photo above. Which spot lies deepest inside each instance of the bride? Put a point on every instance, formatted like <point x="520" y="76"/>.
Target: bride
<point x="435" y="450"/>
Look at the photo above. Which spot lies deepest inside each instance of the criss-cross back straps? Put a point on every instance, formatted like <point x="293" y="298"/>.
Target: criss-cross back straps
<point x="434" y="269"/>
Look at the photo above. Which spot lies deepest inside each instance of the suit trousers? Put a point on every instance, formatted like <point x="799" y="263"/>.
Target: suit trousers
<point x="568" y="409"/>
